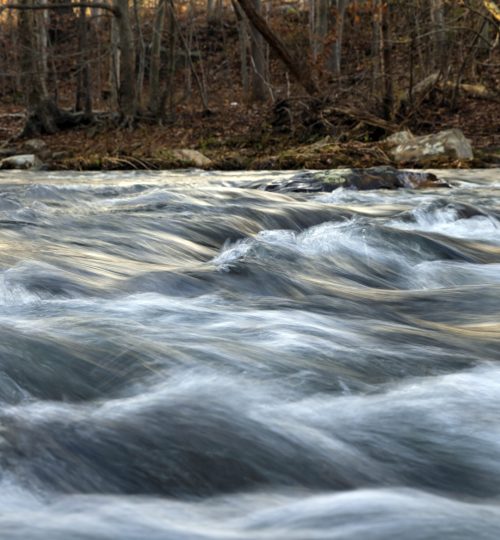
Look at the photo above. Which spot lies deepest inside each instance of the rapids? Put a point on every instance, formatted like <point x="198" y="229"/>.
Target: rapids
<point x="185" y="357"/>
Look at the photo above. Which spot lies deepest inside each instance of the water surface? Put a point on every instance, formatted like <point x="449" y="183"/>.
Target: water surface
<point x="182" y="357"/>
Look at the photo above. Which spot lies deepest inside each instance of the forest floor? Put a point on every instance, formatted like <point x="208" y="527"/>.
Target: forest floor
<point x="239" y="136"/>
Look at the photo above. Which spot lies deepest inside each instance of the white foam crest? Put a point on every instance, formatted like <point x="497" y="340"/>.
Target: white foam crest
<point x="344" y="195"/>
<point x="447" y="221"/>
<point x="330" y="238"/>
<point x="278" y="237"/>
<point x="231" y="254"/>
<point x="349" y="240"/>
<point x="15" y="294"/>
<point x="353" y="243"/>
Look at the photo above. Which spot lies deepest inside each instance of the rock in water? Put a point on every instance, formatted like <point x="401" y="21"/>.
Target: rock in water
<point x="451" y="144"/>
<point x="358" y="179"/>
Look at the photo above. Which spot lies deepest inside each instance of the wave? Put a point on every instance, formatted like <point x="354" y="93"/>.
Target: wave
<point x="204" y="434"/>
<point x="280" y="515"/>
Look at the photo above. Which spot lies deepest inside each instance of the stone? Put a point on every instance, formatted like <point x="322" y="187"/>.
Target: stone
<point x="34" y="146"/>
<point x="451" y="144"/>
<point x="384" y="177"/>
<point x="193" y="157"/>
<point x="401" y="137"/>
<point x="23" y="161"/>
<point x="38" y="147"/>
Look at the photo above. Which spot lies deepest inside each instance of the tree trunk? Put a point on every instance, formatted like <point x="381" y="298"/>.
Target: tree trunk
<point x="339" y="34"/>
<point x="114" y="65"/>
<point x="243" y="42"/>
<point x="155" y="61"/>
<point x="200" y="81"/>
<point x="171" y="67"/>
<point x="386" y="50"/>
<point x="40" y="109"/>
<point x="43" y="115"/>
<point x="300" y="71"/>
<point x="41" y="21"/>
<point x="258" y="61"/>
<point x="84" y="93"/>
<point x="318" y="24"/>
<point x="211" y="13"/>
<point x="141" y="56"/>
<point x="127" y="86"/>
<point x="439" y="35"/>
<point x="375" y="47"/>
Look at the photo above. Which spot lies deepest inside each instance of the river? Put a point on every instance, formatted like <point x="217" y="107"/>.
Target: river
<point x="183" y="357"/>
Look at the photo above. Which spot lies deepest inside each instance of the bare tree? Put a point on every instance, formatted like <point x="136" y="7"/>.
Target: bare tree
<point x="43" y="113"/>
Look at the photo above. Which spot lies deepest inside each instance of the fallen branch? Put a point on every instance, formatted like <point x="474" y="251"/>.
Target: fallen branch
<point x="365" y="117"/>
<point x="12" y="115"/>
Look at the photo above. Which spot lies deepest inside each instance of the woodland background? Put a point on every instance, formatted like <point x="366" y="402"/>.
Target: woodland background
<point x="132" y="79"/>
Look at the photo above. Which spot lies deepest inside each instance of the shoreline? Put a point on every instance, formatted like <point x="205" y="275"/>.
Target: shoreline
<point x="156" y="149"/>
<point x="313" y="156"/>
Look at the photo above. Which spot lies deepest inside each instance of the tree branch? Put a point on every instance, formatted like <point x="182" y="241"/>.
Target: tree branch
<point x="301" y="73"/>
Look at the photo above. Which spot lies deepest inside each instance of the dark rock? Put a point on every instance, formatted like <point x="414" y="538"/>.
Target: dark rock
<point x="358" y="179"/>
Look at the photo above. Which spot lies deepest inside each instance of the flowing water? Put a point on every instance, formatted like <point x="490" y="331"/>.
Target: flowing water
<point x="182" y="357"/>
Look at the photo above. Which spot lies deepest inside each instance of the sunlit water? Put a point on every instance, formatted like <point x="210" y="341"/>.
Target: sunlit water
<point x="185" y="358"/>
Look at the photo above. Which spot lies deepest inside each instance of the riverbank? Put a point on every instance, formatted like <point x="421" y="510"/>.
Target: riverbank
<point x="145" y="149"/>
<point x="247" y="138"/>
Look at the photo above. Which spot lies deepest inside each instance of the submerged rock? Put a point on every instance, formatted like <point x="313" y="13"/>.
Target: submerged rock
<point x="23" y="161"/>
<point x="450" y="144"/>
<point x="358" y="179"/>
